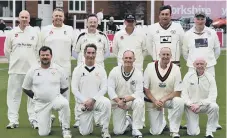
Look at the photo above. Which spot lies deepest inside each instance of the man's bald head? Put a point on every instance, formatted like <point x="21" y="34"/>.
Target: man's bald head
<point x="200" y="61"/>
<point x="166" y="50"/>
<point x="24" y="13"/>
<point x="24" y="18"/>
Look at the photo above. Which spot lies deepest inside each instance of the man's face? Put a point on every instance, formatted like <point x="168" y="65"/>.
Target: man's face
<point x="90" y="55"/>
<point x="165" y="17"/>
<point x="128" y="59"/>
<point x="24" y="18"/>
<point x="45" y="57"/>
<point x="165" y="55"/>
<point x="200" y="65"/>
<point x="58" y="18"/>
<point x="200" y="21"/>
<point x="130" y="23"/>
<point x="92" y="23"/>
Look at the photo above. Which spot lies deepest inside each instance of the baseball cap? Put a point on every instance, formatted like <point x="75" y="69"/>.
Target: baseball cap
<point x="200" y="14"/>
<point x="130" y="17"/>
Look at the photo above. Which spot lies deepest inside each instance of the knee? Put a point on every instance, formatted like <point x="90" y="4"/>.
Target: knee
<point x="44" y="132"/>
<point x="118" y="131"/>
<point x="139" y="103"/>
<point x="178" y="101"/>
<point x="154" y="131"/>
<point x="214" y="107"/>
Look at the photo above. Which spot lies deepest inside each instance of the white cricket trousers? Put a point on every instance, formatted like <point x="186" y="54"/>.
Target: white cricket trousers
<point x="14" y="94"/>
<point x="120" y="122"/>
<point x="193" y="119"/>
<point x="103" y="107"/>
<point x="157" y="119"/>
<point x="44" y="110"/>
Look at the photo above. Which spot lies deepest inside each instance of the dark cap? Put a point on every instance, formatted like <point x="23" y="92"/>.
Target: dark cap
<point x="130" y="17"/>
<point x="200" y="14"/>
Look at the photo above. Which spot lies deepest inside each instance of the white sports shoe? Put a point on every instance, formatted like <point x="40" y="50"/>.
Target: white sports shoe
<point x="106" y="134"/>
<point x="76" y="125"/>
<point x="12" y="125"/>
<point x="34" y="124"/>
<point x="136" y="133"/>
<point x="66" y="133"/>
<point x="174" y="135"/>
<point x="129" y="119"/>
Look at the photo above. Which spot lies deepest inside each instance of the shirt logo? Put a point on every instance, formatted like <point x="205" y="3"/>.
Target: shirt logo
<point x="201" y="42"/>
<point x="99" y="40"/>
<point x="65" y="32"/>
<point x="173" y="31"/>
<point x="53" y="72"/>
<point x="157" y="31"/>
<point x="32" y="38"/>
<point x="38" y="74"/>
<point x="162" y="85"/>
<point x="51" y="32"/>
<point x="191" y="83"/>
<point x="165" y="39"/>
<point x="122" y="37"/>
<point x="16" y="35"/>
<point x="133" y="82"/>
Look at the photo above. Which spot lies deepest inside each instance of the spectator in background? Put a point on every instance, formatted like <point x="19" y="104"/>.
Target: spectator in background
<point x="111" y="26"/>
<point x="100" y="18"/>
<point x="2" y="25"/>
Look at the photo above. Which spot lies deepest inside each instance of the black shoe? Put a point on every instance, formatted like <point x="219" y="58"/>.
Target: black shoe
<point x="183" y="127"/>
<point x="209" y="136"/>
<point x="166" y="128"/>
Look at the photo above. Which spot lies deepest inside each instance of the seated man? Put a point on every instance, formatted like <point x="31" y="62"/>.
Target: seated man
<point x="200" y="94"/>
<point x="46" y="83"/>
<point x="89" y="85"/>
<point x="125" y="89"/>
<point x="162" y="85"/>
<point x="111" y="25"/>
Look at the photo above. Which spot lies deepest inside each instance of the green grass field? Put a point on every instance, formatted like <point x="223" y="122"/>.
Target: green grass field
<point x="25" y="130"/>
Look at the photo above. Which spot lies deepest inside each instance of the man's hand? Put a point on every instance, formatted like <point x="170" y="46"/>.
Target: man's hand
<point x="195" y="108"/>
<point x="158" y="103"/>
<point x="122" y="104"/>
<point x="89" y="104"/>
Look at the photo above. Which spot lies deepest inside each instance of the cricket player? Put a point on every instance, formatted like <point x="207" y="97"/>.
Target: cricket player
<point x="125" y="89"/>
<point x="92" y="35"/>
<point x="89" y="85"/>
<point x="130" y="38"/>
<point x="162" y="84"/>
<point x="21" y="49"/>
<point x="200" y="94"/>
<point x="165" y="33"/>
<point x="59" y="37"/>
<point x="46" y="83"/>
<point x="201" y="41"/>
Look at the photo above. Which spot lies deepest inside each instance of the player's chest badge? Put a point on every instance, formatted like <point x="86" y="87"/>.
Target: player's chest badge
<point x="162" y="85"/>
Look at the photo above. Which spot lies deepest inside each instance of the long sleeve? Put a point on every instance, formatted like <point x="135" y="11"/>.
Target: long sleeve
<point x="184" y="93"/>
<point x="217" y="49"/>
<point x="112" y="85"/>
<point x="75" y="86"/>
<point x="185" y="48"/>
<point x="146" y="78"/>
<point x="144" y="46"/>
<point x="139" y="87"/>
<point x="212" y="93"/>
<point x="8" y="46"/>
<point x="115" y="47"/>
<point x="106" y="47"/>
<point x="103" y="87"/>
<point x="181" y="36"/>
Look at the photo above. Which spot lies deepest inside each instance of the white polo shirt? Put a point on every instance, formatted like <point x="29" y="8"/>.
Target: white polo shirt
<point x="45" y="83"/>
<point x="197" y="46"/>
<point x="135" y="42"/>
<point x="162" y="82"/>
<point x="159" y="37"/>
<point x="60" y="40"/>
<point x="199" y="89"/>
<point x="99" y="39"/>
<point x="121" y="85"/>
<point x="21" y="49"/>
<point x="89" y="82"/>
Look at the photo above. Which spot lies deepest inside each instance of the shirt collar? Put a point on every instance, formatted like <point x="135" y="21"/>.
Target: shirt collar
<point x="204" y="30"/>
<point x="133" y="33"/>
<point x="18" y="30"/>
<point x="63" y="25"/>
<point x="96" y="32"/>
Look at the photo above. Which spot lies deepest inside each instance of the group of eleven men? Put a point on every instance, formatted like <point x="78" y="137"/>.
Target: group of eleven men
<point x="40" y="65"/>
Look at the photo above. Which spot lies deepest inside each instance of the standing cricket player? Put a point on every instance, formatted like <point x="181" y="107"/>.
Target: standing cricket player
<point x="21" y="49"/>
<point x="89" y="85"/>
<point x="46" y="83"/>
<point x="125" y="89"/>
<point x="200" y="94"/>
<point x="165" y="33"/>
<point x="130" y="38"/>
<point x="162" y="84"/>
<point x="201" y="41"/>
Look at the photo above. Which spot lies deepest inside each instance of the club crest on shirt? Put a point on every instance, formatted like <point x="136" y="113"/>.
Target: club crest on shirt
<point x="65" y="32"/>
<point x="191" y="83"/>
<point x="122" y="37"/>
<point x="97" y="74"/>
<point x="162" y="85"/>
<point x="99" y="40"/>
<point x="38" y="74"/>
<point x="85" y="40"/>
<point x="208" y="33"/>
<point x="133" y="82"/>
<point x="165" y="39"/>
<point x="16" y="35"/>
<point x="53" y="72"/>
<point x="173" y="31"/>
<point x="51" y="32"/>
<point x="157" y="31"/>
